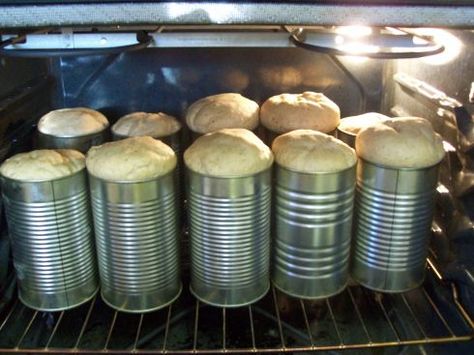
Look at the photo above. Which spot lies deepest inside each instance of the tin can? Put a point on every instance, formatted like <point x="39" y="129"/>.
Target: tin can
<point x="346" y="136"/>
<point x="229" y="224"/>
<point x="313" y="221"/>
<point x="137" y="242"/>
<point x="394" y="210"/>
<point x="81" y="143"/>
<point x="175" y="142"/>
<point x="52" y="243"/>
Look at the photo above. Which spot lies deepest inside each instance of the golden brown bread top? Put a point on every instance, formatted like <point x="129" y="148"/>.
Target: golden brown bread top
<point x="146" y="124"/>
<point x="310" y="151"/>
<point x="228" y="152"/>
<point x="43" y="164"/>
<point x="353" y="124"/>
<point x="309" y="110"/>
<point x="228" y="110"/>
<point x="405" y="142"/>
<point x="72" y="122"/>
<point x="131" y="159"/>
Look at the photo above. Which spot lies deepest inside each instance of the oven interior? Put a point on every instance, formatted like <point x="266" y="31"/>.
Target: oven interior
<point x="434" y="319"/>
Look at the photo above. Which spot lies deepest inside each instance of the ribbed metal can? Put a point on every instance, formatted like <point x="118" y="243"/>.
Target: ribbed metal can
<point x="52" y="243"/>
<point x="394" y="209"/>
<point x="175" y="142"/>
<point x="80" y="143"/>
<point x="312" y="233"/>
<point x="229" y="225"/>
<point x="137" y="242"/>
<point x="346" y="136"/>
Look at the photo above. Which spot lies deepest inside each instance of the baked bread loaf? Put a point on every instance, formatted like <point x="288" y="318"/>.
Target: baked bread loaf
<point x="146" y="124"/>
<point x="72" y="122"/>
<point x="131" y="159"/>
<point x="228" y="152"/>
<point x="353" y="124"/>
<point x="309" y="110"/>
<point x="220" y="111"/>
<point x="43" y="165"/>
<point x="309" y="151"/>
<point x="408" y="142"/>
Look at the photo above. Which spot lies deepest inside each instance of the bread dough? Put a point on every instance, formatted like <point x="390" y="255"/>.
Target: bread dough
<point x="310" y="151"/>
<point x="43" y="164"/>
<point x="408" y="142"/>
<point x="72" y="122"/>
<point x="131" y="159"/>
<point x="220" y="111"/>
<point x="309" y="110"/>
<point x="228" y="152"/>
<point x="354" y="124"/>
<point x="146" y="124"/>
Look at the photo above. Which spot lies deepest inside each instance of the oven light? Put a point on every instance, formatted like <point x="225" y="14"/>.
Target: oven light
<point x="354" y="31"/>
<point x="356" y="48"/>
<point x="356" y="59"/>
<point x="451" y="43"/>
<point x="215" y="12"/>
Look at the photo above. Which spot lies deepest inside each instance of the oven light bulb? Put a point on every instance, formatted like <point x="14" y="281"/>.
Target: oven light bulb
<point x="359" y="48"/>
<point x="452" y="45"/>
<point x="354" y="31"/>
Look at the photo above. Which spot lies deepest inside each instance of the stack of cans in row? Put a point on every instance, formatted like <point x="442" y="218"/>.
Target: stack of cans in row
<point x="229" y="190"/>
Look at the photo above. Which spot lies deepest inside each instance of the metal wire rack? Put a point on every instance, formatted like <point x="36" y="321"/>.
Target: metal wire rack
<point x="355" y="319"/>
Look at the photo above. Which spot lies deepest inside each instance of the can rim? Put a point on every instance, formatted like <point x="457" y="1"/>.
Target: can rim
<point x="153" y="178"/>
<point x="352" y="134"/>
<point x="60" y="309"/>
<point x="401" y="168"/>
<point x="148" y="310"/>
<point x="318" y="173"/>
<point x="44" y="180"/>
<point x="229" y="176"/>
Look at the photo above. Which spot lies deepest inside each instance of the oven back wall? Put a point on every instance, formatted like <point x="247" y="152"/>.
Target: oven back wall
<point x="169" y="80"/>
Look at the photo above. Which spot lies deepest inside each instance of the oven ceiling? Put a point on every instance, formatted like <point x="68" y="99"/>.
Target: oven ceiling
<point x="419" y="13"/>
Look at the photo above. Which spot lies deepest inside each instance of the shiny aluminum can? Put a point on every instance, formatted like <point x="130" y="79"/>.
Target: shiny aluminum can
<point x="229" y="225"/>
<point x="52" y="242"/>
<point x="80" y="143"/>
<point x="394" y="209"/>
<point x="312" y="237"/>
<point x="175" y="142"/>
<point x="346" y="137"/>
<point x="137" y="242"/>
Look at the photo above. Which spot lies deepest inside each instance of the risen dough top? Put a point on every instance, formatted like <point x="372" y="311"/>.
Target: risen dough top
<point x="228" y="152"/>
<point x="354" y="124"/>
<point x="309" y="110"/>
<point x="43" y="165"/>
<point x="72" y="122"/>
<point x="228" y="110"/>
<point x="310" y="151"/>
<point x="146" y="124"/>
<point x="131" y="159"/>
<point x="408" y="142"/>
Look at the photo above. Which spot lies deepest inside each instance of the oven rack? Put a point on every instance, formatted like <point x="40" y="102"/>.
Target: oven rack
<point x="355" y="319"/>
